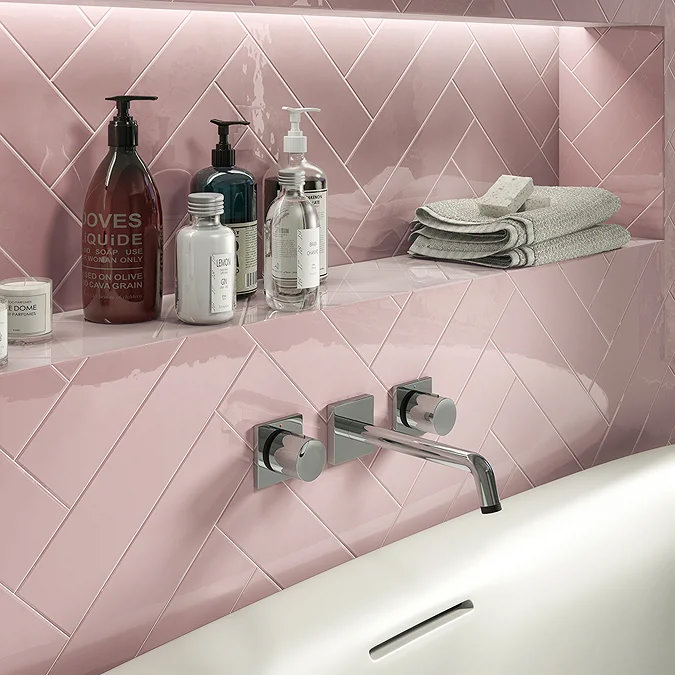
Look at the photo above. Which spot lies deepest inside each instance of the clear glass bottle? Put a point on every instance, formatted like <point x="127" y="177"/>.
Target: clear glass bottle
<point x="3" y="332"/>
<point x="205" y="263"/>
<point x="292" y="247"/>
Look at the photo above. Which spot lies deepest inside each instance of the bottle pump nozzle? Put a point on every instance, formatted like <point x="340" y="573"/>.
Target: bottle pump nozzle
<point x="295" y="141"/>
<point x="223" y="155"/>
<point x="123" y="128"/>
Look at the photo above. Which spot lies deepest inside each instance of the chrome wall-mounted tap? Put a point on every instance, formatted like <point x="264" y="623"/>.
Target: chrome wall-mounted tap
<point x="352" y="434"/>
<point x="283" y="452"/>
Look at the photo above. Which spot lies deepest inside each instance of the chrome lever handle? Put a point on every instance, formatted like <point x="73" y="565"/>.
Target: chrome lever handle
<point x="416" y="410"/>
<point x="283" y="452"/>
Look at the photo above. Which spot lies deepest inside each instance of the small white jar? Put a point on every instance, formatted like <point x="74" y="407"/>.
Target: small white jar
<point x="206" y="263"/>
<point x="3" y="332"/>
<point x="29" y="309"/>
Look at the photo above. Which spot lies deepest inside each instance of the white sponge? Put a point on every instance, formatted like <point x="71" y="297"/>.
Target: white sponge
<point x="506" y="196"/>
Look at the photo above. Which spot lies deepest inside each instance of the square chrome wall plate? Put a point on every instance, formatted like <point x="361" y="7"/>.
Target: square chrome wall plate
<point x="342" y="448"/>
<point x="263" y="476"/>
<point x="399" y="394"/>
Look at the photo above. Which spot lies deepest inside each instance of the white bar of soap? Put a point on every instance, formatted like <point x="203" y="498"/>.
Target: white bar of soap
<point x="506" y="196"/>
<point x="535" y="203"/>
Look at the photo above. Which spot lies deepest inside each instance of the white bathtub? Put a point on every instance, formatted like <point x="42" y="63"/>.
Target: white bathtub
<point x="573" y="578"/>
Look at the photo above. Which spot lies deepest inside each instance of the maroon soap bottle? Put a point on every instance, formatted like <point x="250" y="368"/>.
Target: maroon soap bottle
<point x="122" y="230"/>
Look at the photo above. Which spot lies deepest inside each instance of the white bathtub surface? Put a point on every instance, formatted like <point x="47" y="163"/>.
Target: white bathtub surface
<point x="574" y="578"/>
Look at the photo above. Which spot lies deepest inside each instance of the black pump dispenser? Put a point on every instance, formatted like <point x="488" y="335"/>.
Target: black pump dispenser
<point x="123" y="129"/>
<point x="223" y="155"/>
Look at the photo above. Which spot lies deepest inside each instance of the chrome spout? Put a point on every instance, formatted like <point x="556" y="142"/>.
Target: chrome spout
<point x="350" y="438"/>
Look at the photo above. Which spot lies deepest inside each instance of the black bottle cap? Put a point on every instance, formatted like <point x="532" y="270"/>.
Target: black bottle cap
<point x="223" y="154"/>
<point x="123" y="128"/>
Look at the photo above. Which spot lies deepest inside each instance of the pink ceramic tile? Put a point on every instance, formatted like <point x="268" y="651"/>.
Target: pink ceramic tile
<point x="395" y="44"/>
<point x="104" y="406"/>
<point x="481" y="400"/>
<point x="636" y="325"/>
<point x="650" y="223"/>
<point x="32" y="644"/>
<point x="428" y="500"/>
<point x="343" y="38"/>
<point x="616" y="56"/>
<point x="490" y="8"/>
<point x="575" y="43"/>
<point x="564" y="318"/>
<point x="639" y="396"/>
<point x="154" y="564"/>
<point x="643" y="12"/>
<point x="638" y="180"/>
<point x="260" y="586"/>
<point x="300" y="345"/>
<point x="531" y="440"/>
<point x="617" y="287"/>
<point x="94" y="14"/>
<point x="574" y="169"/>
<point x="452" y="7"/>
<point x="390" y="134"/>
<point x="209" y="591"/>
<point x="49" y="239"/>
<point x="585" y="275"/>
<point x="467" y="334"/>
<point x="248" y="404"/>
<point x="421" y="323"/>
<point x="365" y="5"/>
<point x="581" y="10"/>
<point x="450" y="182"/>
<point x="610" y="7"/>
<point x="396" y="471"/>
<point x="517" y="74"/>
<point x="46" y="142"/>
<point x="101" y="525"/>
<point x="497" y="113"/>
<point x="635" y="109"/>
<point x="366" y="337"/>
<point x="181" y="74"/>
<point x="541" y="9"/>
<point x="362" y="521"/>
<point x="29" y="517"/>
<point x="517" y="483"/>
<point x="25" y="399"/>
<point x="117" y="69"/>
<point x="660" y="423"/>
<point x="414" y="178"/>
<point x="68" y="294"/>
<point x="49" y="37"/>
<point x="288" y="555"/>
<point x="281" y="40"/>
<point x="577" y="106"/>
<point x="69" y="368"/>
<point x="541" y="43"/>
<point x="557" y="390"/>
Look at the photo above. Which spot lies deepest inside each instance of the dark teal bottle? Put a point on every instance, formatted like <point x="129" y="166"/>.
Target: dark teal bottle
<point x="239" y="189"/>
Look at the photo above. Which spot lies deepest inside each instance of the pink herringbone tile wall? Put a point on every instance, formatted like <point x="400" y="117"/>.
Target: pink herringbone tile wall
<point x="612" y="119"/>
<point x="411" y="110"/>
<point x="127" y="511"/>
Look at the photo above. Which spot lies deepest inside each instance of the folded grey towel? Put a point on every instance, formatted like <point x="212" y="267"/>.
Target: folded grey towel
<point x="605" y="237"/>
<point x="572" y="209"/>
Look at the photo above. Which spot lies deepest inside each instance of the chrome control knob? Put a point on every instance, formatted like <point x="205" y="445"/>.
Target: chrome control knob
<point x="283" y="452"/>
<point x="418" y="411"/>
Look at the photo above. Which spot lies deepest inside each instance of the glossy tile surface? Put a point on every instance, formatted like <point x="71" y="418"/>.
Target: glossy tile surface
<point x="168" y="532"/>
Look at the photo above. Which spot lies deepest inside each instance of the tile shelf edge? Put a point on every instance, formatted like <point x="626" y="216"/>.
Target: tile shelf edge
<point x="75" y="339"/>
<point x="215" y="6"/>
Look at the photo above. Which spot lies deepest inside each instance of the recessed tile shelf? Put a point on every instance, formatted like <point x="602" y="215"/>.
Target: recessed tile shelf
<point x="75" y="338"/>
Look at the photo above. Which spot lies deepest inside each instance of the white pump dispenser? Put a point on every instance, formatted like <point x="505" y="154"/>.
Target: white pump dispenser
<point x="295" y="144"/>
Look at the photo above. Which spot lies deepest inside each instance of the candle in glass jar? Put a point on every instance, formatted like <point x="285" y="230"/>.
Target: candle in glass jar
<point x="29" y="309"/>
<point x="3" y="332"/>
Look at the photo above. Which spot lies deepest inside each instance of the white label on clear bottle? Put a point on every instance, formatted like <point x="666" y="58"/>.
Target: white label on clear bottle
<point x="27" y="316"/>
<point x="246" y="235"/>
<point x="3" y="332"/>
<point x="284" y="247"/>
<point x="222" y="288"/>
<point x="309" y="258"/>
<point x="319" y="200"/>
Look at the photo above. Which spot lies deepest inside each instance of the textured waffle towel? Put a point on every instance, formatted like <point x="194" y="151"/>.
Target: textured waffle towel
<point x="456" y="230"/>
<point x="592" y="240"/>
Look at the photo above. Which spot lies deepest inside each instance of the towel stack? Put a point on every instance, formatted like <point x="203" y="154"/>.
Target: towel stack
<point x="565" y="223"/>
